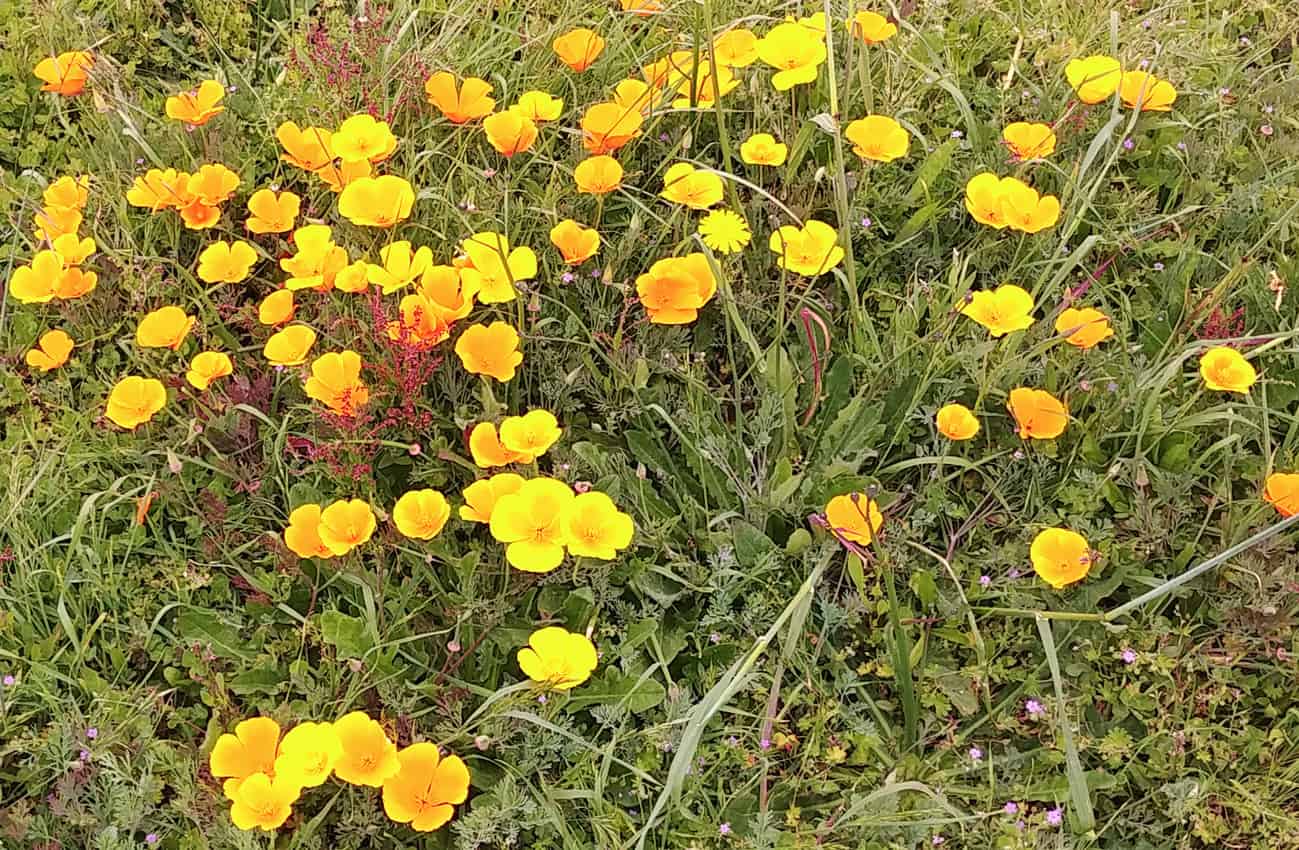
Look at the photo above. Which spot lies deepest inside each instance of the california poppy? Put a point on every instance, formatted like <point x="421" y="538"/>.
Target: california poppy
<point x="377" y="201"/>
<point x="249" y="750"/>
<point x="530" y="435"/>
<point x="810" y="250"/>
<point x="467" y="102"/>
<point x="608" y="126"/>
<point x="763" y="149"/>
<point x="578" y="48"/>
<point x="363" y="137"/>
<point x="1094" y="78"/>
<point x="133" y="401"/>
<point x="695" y="188"/>
<point x="871" y="27"/>
<point x="1029" y="140"/>
<point x="308" y="148"/>
<point x="510" y="132"/>
<point x="289" y="347"/>
<point x="226" y="262"/>
<point x="491" y="350"/>
<point x="272" y="212"/>
<point x="426" y="788"/>
<point x="421" y="514"/>
<point x="336" y="382"/>
<point x="530" y="522"/>
<point x="676" y="288"/>
<point x="51" y="351"/>
<point x="1060" y="556"/>
<point x="199" y="106"/>
<point x="1083" y="328"/>
<point x="1226" y="369"/>
<point x="1281" y="491"/>
<point x="1038" y="414"/>
<point x="877" y="138"/>
<point x="956" y="422"/>
<point x="557" y="658"/>
<point x="481" y="496"/>
<point x="308" y="753"/>
<point x="794" y="51"/>
<point x="1140" y="90"/>
<point x="1003" y="310"/>
<point x="576" y="243"/>
<point x="598" y="175"/>
<point x="595" y="528"/>
<point x="539" y="106"/>
<point x="165" y="327"/>
<point x="369" y="756"/>
<point x="64" y="74"/>
<point x="206" y="367"/>
<point x="346" y="524"/>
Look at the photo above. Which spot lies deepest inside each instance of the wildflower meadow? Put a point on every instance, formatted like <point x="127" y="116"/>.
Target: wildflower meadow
<point x="633" y="424"/>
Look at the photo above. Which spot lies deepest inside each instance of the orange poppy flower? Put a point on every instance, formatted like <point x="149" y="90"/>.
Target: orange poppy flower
<point x="1281" y="490"/>
<point x="133" y="401"/>
<point x="353" y="277"/>
<point x="684" y="184"/>
<point x="272" y="212"/>
<point x="420" y="324"/>
<point x="1227" y="370"/>
<point x="491" y="350"/>
<point x="468" y="103"/>
<point x="159" y="189"/>
<point x="1024" y="210"/>
<point x="363" y="137"/>
<point x="64" y="74"/>
<point x="67" y="191"/>
<point x="317" y="261"/>
<point x="165" y="327"/>
<point x="855" y="517"/>
<point x="1146" y="92"/>
<point x="308" y="148"/>
<point x="598" y="175"/>
<point x="421" y="514"/>
<point x="208" y="366"/>
<point x="199" y="106"/>
<point x="1094" y="78"/>
<point x="763" y="149"/>
<point x="226" y="262"/>
<point x="674" y="289"/>
<point x="510" y="132"/>
<point x="636" y="94"/>
<point x="37" y="282"/>
<point x="336" y="382"/>
<point x="338" y="176"/>
<point x="426" y="790"/>
<point x="877" y="138"/>
<point x="377" y="201"/>
<point x="641" y="8"/>
<point x="871" y="27"/>
<point x="606" y="127"/>
<point x="540" y="106"/>
<point x="1003" y="310"/>
<point x="956" y="422"/>
<point x="346" y="524"/>
<point x="1083" y="328"/>
<point x="578" y="48"/>
<point x="51" y="351"/>
<point x="481" y="496"/>
<point x="52" y="222"/>
<point x="276" y="308"/>
<point x="289" y="347"/>
<point x="702" y="88"/>
<point x="1029" y="141"/>
<point x="72" y="249"/>
<point x="810" y="251"/>
<point x="530" y="435"/>
<point x="401" y="265"/>
<point x="494" y="268"/>
<point x="444" y="289"/>
<point x="74" y="283"/>
<point x="1038" y="414"/>
<point x="197" y="215"/>
<point x="213" y="184"/>
<point x="576" y="243"/>
<point x="302" y="535"/>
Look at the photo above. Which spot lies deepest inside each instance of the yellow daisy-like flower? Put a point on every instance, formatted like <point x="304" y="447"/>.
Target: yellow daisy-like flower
<point x="724" y="231"/>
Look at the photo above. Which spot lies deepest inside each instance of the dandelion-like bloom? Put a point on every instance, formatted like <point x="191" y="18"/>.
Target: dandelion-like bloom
<point x="64" y="74"/>
<point x="871" y="27"/>
<point x="308" y="754"/>
<point x="855" y="517"/>
<point x="595" y="528"/>
<point x="264" y="802"/>
<point x="491" y="350"/>
<point x="226" y="262"/>
<point x="421" y="514"/>
<point x="363" y="137"/>
<point x="1029" y="141"/>
<point x="336" y="382"/>
<point x="133" y="401"/>
<point x="459" y="104"/>
<point x="510" y="132"/>
<point x="302" y="535"/>
<point x="51" y="351"/>
<point x="763" y="149"/>
<point x="724" y="231"/>
<point x="956" y="422"/>
<point x="208" y="366"/>
<point x="426" y="788"/>
<point x="1226" y="369"/>
<point x="530" y="522"/>
<point x="1003" y="310"/>
<point x="481" y="496"/>
<point x="1083" y="327"/>
<point x="598" y="175"/>
<point x="676" y="288"/>
<point x="369" y="756"/>
<point x="377" y="201"/>
<point x="878" y="138"/>
<point x="809" y="251"/>
<point x="289" y="346"/>
<point x="276" y="308"/>
<point x="199" y="106"/>
<point x="1060" y="556"/>
<point x="1281" y="491"/>
<point x="346" y="524"/>
<point x="557" y="658"/>
<point x="249" y="750"/>
<point x="165" y="327"/>
<point x="1038" y="414"/>
<point x="576" y="243"/>
<point x="1094" y="78"/>
<point x="1146" y="92"/>
<point x="272" y="212"/>
<point x="578" y="48"/>
<point x="795" y="51"/>
<point x="308" y="148"/>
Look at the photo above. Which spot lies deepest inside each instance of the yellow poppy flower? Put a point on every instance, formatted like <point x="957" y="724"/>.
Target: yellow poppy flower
<point x="481" y="496"/>
<point x="421" y="514"/>
<point x="51" y="351"/>
<point x="225" y="262"/>
<point x="1226" y="369"/>
<point x="208" y="366"/>
<point x="363" y="137"/>
<point x="426" y="788"/>
<point x="272" y="212"/>
<point x="1061" y="557"/>
<point x="578" y="48"/>
<point x="675" y="288"/>
<point x="467" y="102"/>
<point x="810" y="251"/>
<point x="576" y="243"/>
<point x="877" y="138"/>
<point x="376" y="201"/>
<point x="133" y="401"/>
<point x="1003" y="310"/>
<point x="595" y="528"/>
<point x="165" y="327"/>
<point x="346" y="524"/>
<point x="199" y="106"/>
<point x="1037" y="414"/>
<point x="956" y="422"/>
<point x="1083" y="328"/>
<point x="557" y="658"/>
<point x="530" y="522"/>
<point x="289" y="346"/>
<point x="369" y="757"/>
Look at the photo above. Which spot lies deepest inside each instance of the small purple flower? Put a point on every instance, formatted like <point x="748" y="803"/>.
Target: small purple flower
<point x="92" y="733"/>
<point x="1159" y="267"/>
<point x="714" y="638"/>
<point x="1034" y="708"/>
<point x="1011" y="807"/>
<point x="453" y="646"/>
<point x="1112" y="387"/>
<point x="1019" y="824"/>
<point x="1244" y="41"/>
<point x="1145" y="25"/>
<point x="976" y="754"/>
<point x="866" y="222"/>
<point x="1017" y="454"/>
<point x="732" y="741"/>
<point x="151" y="838"/>
<point x="1181" y="146"/>
<point x="985" y="581"/>
<point x="84" y="755"/>
<point x="1144" y="63"/>
<point x="663" y="137"/>
<point x="1129" y="656"/>
<point x="9" y="680"/>
<point x="595" y="273"/>
<point x="765" y="744"/>
<point x="233" y="89"/>
<point x="724" y="829"/>
<point x="1266" y="129"/>
<point x="489" y="173"/>
<point x="542" y="699"/>
<point x="1224" y="91"/>
<point x="1055" y="816"/>
<point x="567" y="277"/>
<point x="956" y="134"/>
<point x="937" y="840"/>
<point x="1268" y="108"/>
<point x="1128" y="144"/>
<point x="1013" y="572"/>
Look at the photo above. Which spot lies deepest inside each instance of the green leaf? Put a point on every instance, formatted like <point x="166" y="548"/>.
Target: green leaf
<point x="612" y="687"/>
<point x="197" y="625"/>
<point x="752" y="547"/>
<point x="346" y="634"/>
<point x="264" y="680"/>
